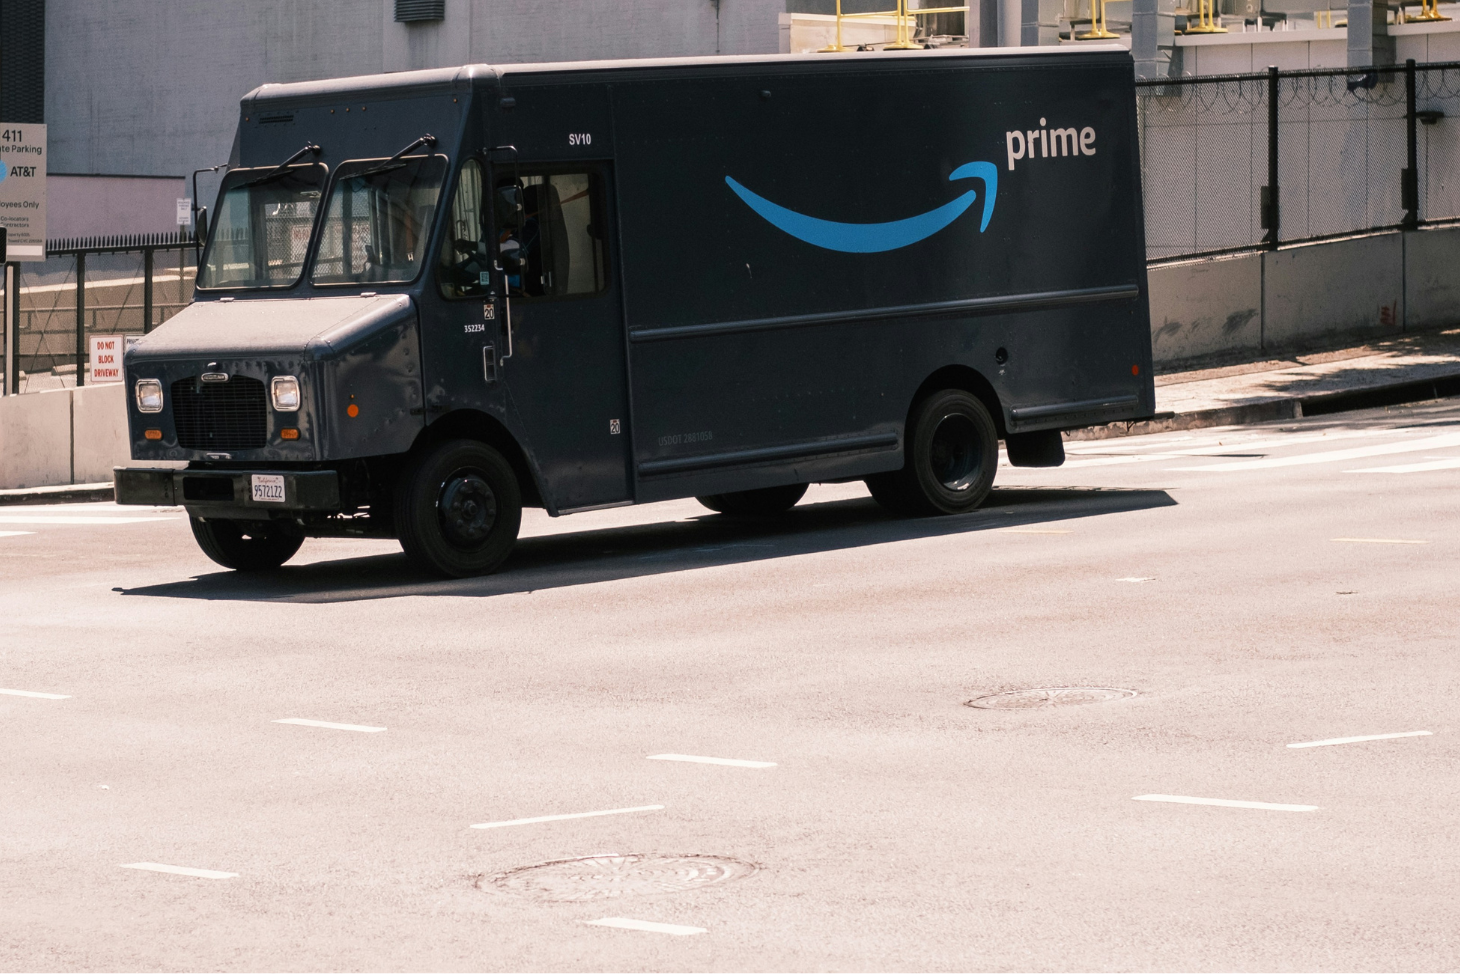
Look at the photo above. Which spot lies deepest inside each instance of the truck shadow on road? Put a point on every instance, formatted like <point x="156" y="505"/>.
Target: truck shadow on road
<point x="610" y="554"/>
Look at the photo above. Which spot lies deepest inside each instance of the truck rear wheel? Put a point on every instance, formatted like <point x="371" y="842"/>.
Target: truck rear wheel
<point x="952" y="450"/>
<point x="764" y="502"/>
<point x="247" y="546"/>
<point x="457" y="509"/>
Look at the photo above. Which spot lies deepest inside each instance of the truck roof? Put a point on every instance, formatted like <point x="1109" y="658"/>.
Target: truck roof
<point x="408" y="83"/>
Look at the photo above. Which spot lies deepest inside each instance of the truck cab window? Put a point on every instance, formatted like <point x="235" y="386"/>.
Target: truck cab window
<point x="378" y="221"/>
<point x="559" y="249"/>
<point x="466" y="260"/>
<point x="261" y="232"/>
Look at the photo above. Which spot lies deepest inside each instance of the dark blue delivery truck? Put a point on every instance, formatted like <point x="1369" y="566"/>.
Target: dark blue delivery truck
<point x="432" y="298"/>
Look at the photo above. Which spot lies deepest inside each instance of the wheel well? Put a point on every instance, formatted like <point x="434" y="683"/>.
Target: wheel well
<point x="473" y="425"/>
<point x="962" y="377"/>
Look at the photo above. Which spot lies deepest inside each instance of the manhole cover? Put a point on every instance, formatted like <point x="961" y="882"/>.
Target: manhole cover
<point x="1049" y="697"/>
<point x="608" y="877"/>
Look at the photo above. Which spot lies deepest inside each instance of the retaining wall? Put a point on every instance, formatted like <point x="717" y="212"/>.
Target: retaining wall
<point x="1360" y="288"/>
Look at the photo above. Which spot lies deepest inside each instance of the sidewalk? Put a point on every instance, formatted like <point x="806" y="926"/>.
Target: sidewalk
<point x="1409" y="369"/>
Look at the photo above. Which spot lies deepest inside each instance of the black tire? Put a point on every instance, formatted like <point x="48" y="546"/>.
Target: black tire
<point x="247" y="546"/>
<point x="766" y="502"/>
<point x="952" y="451"/>
<point x="458" y="508"/>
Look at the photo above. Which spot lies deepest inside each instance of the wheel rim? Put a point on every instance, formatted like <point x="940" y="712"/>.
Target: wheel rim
<point x="467" y="510"/>
<point x="955" y="457"/>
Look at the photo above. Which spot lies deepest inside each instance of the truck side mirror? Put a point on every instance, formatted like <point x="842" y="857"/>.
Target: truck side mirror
<point x="509" y="207"/>
<point x="202" y="223"/>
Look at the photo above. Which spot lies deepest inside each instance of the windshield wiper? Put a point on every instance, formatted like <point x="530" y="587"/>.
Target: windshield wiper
<point x="283" y="167"/>
<point x="429" y="141"/>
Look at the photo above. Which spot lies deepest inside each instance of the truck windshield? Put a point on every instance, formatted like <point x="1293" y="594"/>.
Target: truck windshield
<point x="261" y="233"/>
<point x="378" y="221"/>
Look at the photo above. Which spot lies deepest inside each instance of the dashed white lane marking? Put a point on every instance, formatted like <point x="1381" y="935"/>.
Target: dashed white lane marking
<point x="1366" y="737"/>
<point x="39" y="696"/>
<point x="623" y="923"/>
<point x="1138" y="578"/>
<point x="14" y="534"/>
<point x="1449" y="463"/>
<point x="562" y="818"/>
<point x="157" y="867"/>
<point x="1332" y="456"/>
<point x="302" y="722"/>
<point x="1225" y="803"/>
<point x="1037" y="531"/>
<point x="1377" y="541"/>
<point x="50" y="520"/>
<point x="730" y="762"/>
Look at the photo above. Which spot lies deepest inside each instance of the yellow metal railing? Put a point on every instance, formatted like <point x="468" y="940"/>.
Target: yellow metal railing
<point x="1206" y="19"/>
<point x="906" y="21"/>
<point x="1098" y="30"/>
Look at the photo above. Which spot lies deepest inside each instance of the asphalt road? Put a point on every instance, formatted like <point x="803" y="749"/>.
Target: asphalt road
<point x="878" y="822"/>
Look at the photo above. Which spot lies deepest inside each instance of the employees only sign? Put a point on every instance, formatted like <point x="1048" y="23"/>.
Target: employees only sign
<point x="23" y="190"/>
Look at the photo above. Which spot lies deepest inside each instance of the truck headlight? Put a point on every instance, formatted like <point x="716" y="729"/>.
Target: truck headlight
<point x="285" y="389"/>
<point x="149" y="396"/>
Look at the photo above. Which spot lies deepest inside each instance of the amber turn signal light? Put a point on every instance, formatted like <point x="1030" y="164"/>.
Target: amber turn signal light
<point x="352" y="410"/>
<point x="289" y="433"/>
<point x="153" y="434"/>
<point x="1135" y="370"/>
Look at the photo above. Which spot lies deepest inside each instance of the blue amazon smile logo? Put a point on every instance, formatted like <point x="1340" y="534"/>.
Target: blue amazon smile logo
<point x="875" y="238"/>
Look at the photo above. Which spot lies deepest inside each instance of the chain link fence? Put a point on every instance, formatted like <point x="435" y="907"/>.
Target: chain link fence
<point x="1338" y="152"/>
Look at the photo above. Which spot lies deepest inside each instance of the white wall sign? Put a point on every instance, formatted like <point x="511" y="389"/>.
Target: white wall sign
<point x="106" y="358"/>
<point x="23" y="189"/>
<point x="184" y="212"/>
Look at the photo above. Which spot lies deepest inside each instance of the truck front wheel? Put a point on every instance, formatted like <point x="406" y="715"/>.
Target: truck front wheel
<point x="952" y="451"/>
<point x="457" y="509"/>
<point x="247" y="546"/>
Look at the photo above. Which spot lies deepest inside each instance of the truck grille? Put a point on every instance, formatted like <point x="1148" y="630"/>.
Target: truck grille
<point x="230" y="415"/>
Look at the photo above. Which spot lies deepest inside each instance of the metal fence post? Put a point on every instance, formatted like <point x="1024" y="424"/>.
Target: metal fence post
<point x="1409" y="179"/>
<point x="146" y="290"/>
<point x="80" y="318"/>
<point x="1270" y="212"/>
<point x="10" y="332"/>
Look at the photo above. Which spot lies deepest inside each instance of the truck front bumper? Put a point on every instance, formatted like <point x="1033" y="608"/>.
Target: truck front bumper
<point x="219" y="492"/>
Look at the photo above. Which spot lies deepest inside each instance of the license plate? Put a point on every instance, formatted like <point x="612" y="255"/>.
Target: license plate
<point x="268" y="488"/>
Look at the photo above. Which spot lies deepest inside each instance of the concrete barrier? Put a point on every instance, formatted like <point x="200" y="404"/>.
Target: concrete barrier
<point x="35" y="440"/>
<point x="66" y="436"/>
<point x="1431" y="278"/>
<point x="98" y="432"/>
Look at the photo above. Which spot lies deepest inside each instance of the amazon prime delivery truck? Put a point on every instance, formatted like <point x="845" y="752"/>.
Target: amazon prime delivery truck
<point x="428" y="299"/>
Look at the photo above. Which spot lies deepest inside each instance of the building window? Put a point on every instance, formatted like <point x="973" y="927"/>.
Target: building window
<point x="414" y="11"/>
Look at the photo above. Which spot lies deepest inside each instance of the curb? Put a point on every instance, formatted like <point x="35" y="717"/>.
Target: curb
<point x="67" y="494"/>
<point x="1276" y="410"/>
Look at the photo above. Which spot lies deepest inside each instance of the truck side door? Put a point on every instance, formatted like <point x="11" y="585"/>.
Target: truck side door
<point x="565" y="372"/>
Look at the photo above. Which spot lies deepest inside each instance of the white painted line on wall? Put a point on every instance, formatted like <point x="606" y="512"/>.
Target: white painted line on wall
<point x="563" y="818"/>
<point x="1377" y="541"/>
<point x="1332" y="456"/>
<point x="1366" y="737"/>
<point x="1138" y="578"/>
<point x="1225" y="803"/>
<point x="729" y="762"/>
<point x="623" y="923"/>
<point x="14" y="534"/>
<point x="1449" y="463"/>
<point x="302" y="722"/>
<point x="157" y="867"/>
<point x="39" y="696"/>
